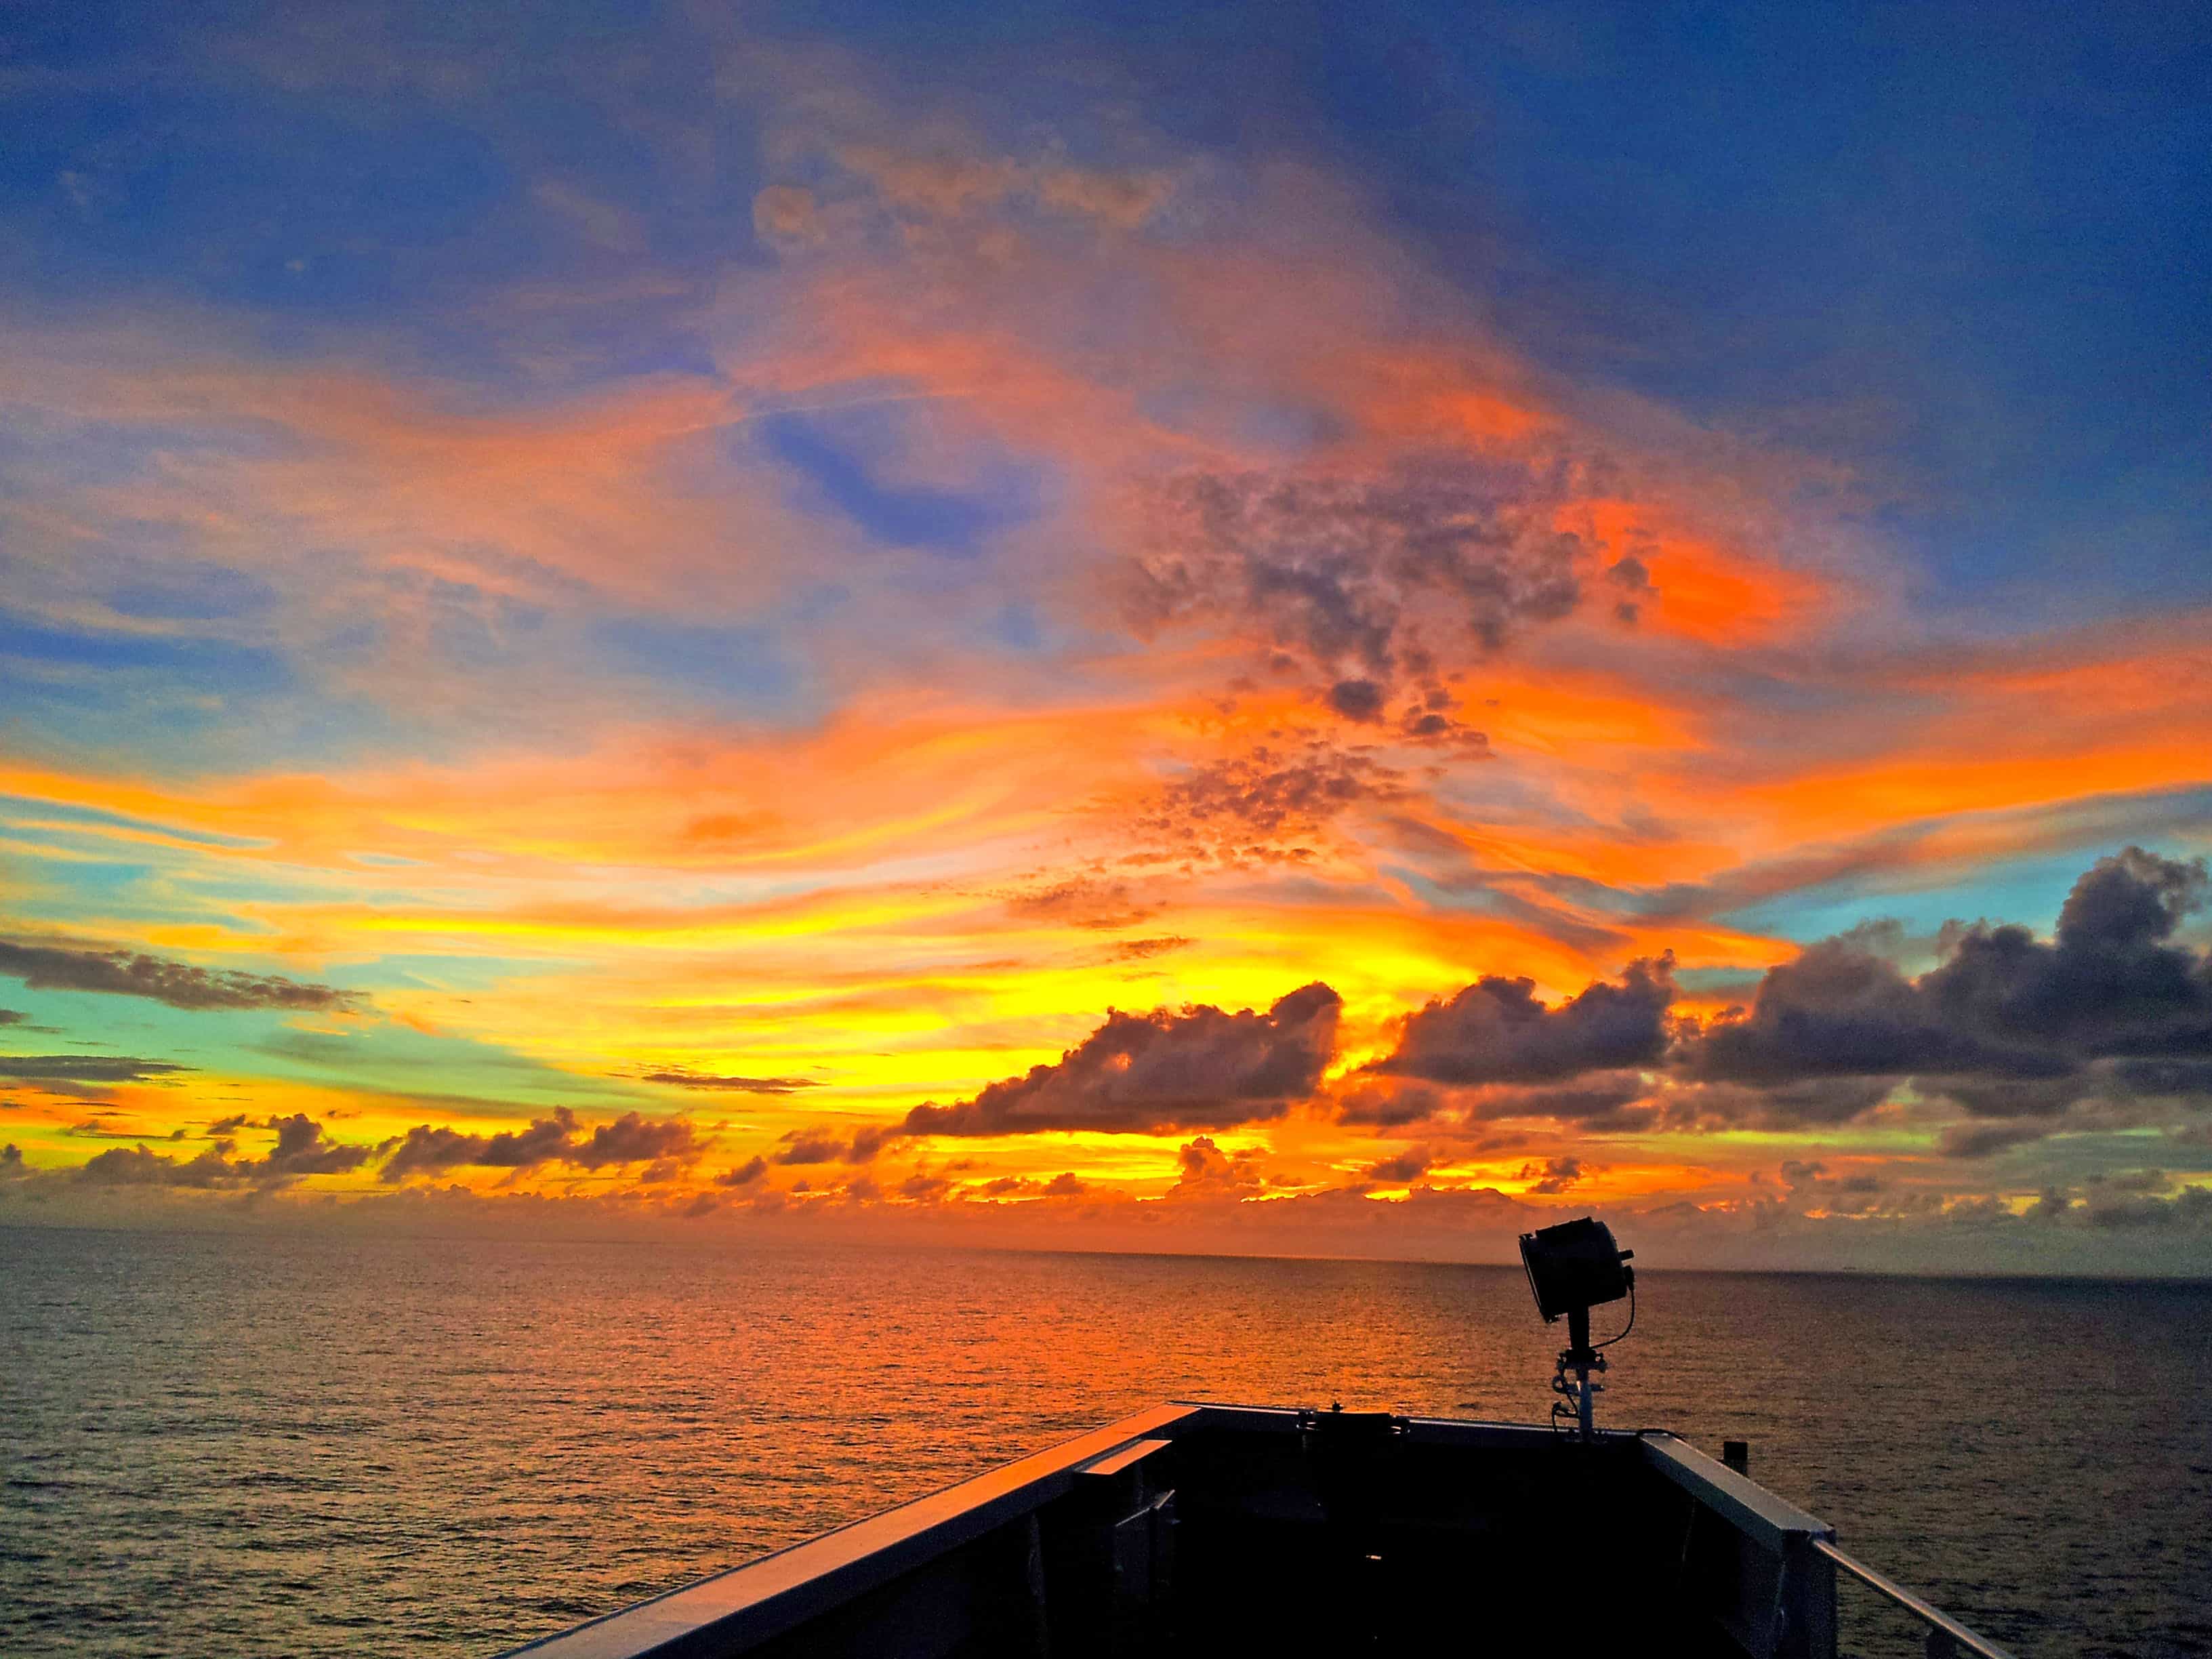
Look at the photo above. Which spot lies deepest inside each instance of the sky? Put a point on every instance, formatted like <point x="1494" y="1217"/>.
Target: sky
<point x="1327" y="630"/>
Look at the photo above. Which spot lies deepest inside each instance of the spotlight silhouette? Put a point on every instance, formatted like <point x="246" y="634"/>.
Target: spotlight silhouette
<point x="1573" y="1267"/>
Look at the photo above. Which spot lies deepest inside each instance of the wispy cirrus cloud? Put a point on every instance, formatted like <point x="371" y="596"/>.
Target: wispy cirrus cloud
<point x="810" y="633"/>
<point x="684" y="1077"/>
<point x="86" y="1068"/>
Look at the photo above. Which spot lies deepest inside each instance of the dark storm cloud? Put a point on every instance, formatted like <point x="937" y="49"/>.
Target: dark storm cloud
<point x="1839" y="1010"/>
<point x="119" y="973"/>
<point x="2108" y="984"/>
<point x="85" y="1068"/>
<point x="2110" y="1016"/>
<point x="1388" y="1105"/>
<point x="683" y="1078"/>
<point x="2015" y="1098"/>
<point x="2170" y="1077"/>
<point x="1806" y="1102"/>
<point x="1496" y="1031"/>
<point x="1596" y="1100"/>
<point x="2007" y="1027"/>
<point x="1148" y="1074"/>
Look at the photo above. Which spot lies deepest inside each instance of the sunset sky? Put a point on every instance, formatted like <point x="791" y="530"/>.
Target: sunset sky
<point x="1338" y="630"/>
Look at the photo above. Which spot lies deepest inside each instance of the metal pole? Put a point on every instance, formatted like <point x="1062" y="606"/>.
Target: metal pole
<point x="1581" y="1356"/>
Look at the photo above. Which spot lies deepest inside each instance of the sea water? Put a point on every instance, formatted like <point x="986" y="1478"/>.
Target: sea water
<point x="275" y="1445"/>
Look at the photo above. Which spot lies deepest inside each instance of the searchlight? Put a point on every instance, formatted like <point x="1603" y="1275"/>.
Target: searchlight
<point x="1573" y="1267"/>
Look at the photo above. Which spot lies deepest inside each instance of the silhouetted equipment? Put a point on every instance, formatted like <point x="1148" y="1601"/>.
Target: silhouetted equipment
<point x="1573" y="1267"/>
<point x="1576" y="1267"/>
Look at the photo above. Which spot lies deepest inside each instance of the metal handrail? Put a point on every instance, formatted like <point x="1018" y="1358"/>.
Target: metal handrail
<point x="1946" y="1636"/>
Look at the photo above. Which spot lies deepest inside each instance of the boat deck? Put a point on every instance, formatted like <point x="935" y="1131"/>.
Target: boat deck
<point x="1195" y="1528"/>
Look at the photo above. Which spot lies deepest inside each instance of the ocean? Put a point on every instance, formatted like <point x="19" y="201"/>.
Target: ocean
<point x="258" y="1445"/>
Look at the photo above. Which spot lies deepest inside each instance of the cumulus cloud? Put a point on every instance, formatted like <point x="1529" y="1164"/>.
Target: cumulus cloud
<point x="136" y="1166"/>
<point x="2109" y="983"/>
<point x="745" y="1175"/>
<point x="1206" y="1171"/>
<point x="303" y="1149"/>
<point x="1840" y="1010"/>
<point x="1387" y="1103"/>
<point x="1066" y="1184"/>
<point x="2127" y="1200"/>
<point x="180" y="985"/>
<point x="1496" y="1031"/>
<point x="800" y="1147"/>
<point x="1149" y="1073"/>
<point x="428" y="1149"/>
<point x="2110" y="1020"/>
<point x="1407" y="1165"/>
<point x="632" y="1138"/>
<point x="1553" y="1176"/>
<point x="2007" y="1026"/>
<point x="830" y="1146"/>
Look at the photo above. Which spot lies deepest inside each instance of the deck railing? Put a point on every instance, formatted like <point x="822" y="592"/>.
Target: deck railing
<point x="1947" y="1637"/>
